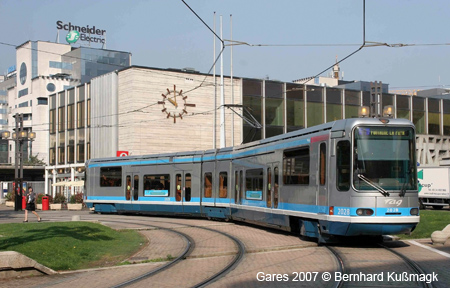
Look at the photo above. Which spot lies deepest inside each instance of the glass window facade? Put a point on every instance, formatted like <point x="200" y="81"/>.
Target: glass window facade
<point x="314" y="106"/>
<point x="387" y="99"/>
<point x="403" y="108"/>
<point x="23" y="73"/>
<point x="446" y="116"/>
<point x="23" y="92"/>
<point x="366" y="98"/>
<point x="252" y="100"/>
<point x="434" y="115"/>
<point x="295" y="107"/>
<point x="274" y="106"/>
<point x="334" y="104"/>
<point x="34" y="60"/>
<point x="42" y="101"/>
<point x="88" y="63"/>
<point x="51" y="87"/>
<point x="352" y="100"/>
<point x="60" y="65"/>
<point x="419" y="114"/>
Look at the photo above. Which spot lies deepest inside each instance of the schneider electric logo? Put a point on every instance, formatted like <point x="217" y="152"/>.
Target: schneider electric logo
<point x="82" y="33"/>
<point x="72" y="36"/>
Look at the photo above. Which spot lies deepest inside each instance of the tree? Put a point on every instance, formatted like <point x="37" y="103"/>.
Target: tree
<point x="34" y="161"/>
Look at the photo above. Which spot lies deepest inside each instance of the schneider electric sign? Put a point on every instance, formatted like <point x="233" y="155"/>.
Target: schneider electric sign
<point x="82" y="33"/>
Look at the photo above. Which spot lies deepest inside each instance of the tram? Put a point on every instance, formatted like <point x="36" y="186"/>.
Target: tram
<point x="349" y="177"/>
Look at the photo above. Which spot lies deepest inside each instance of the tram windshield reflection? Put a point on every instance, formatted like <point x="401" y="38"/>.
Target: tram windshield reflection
<point x="385" y="156"/>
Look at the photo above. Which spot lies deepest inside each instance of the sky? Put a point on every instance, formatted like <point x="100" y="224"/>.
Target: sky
<point x="298" y="38"/>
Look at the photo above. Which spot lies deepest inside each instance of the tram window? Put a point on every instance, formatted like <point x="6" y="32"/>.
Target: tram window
<point x="223" y="182"/>
<point x="178" y="187"/>
<point x="269" y="187"/>
<point x="157" y="185"/>
<point x="296" y="167"/>
<point x="241" y="184"/>
<point x="136" y="188"/>
<point x="254" y="184"/>
<point x="208" y="185"/>
<point x="236" y="186"/>
<point x="323" y="164"/>
<point x="128" y="188"/>
<point x="188" y="185"/>
<point x="276" y="187"/>
<point x="343" y="165"/>
<point x="110" y="176"/>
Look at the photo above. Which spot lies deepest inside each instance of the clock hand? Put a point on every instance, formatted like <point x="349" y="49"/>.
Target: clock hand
<point x="174" y="103"/>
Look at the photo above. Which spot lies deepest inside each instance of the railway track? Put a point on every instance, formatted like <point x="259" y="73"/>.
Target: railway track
<point x="188" y="250"/>
<point x="387" y="267"/>
<point x="206" y="251"/>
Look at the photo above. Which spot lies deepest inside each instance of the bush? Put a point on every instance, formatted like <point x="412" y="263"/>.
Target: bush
<point x="59" y="198"/>
<point x="39" y="198"/>
<point x="10" y="196"/>
<point x="77" y="198"/>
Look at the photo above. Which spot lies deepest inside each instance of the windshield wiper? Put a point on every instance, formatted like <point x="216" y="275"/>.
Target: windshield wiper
<point x="374" y="185"/>
<point x="403" y="191"/>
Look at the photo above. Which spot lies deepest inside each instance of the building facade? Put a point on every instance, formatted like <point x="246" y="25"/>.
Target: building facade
<point x="129" y="111"/>
<point x="42" y="69"/>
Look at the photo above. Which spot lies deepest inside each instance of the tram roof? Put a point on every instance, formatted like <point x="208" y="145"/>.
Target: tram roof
<point x="338" y="125"/>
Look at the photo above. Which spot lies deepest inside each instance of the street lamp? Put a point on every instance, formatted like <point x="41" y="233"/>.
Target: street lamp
<point x="19" y="136"/>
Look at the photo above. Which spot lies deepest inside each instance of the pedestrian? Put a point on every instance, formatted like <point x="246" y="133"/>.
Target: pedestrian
<point x="31" y="200"/>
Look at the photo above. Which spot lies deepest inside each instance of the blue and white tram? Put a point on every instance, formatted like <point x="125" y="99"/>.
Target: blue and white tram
<point x="344" y="178"/>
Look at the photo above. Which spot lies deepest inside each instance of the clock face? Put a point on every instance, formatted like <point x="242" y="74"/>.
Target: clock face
<point x="174" y="104"/>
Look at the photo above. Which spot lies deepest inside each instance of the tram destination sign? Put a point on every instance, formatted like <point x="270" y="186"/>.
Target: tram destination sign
<point x="376" y="131"/>
<point x="82" y="33"/>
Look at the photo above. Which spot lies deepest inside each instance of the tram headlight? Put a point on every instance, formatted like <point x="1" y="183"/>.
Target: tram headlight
<point x="363" y="112"/>
<point x="364" y="212"/>
<point x="415" y="211"/>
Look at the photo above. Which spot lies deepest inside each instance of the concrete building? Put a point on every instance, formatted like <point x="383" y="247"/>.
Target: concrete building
<point x="129" y="112"/>
<point x="43" y="68"/>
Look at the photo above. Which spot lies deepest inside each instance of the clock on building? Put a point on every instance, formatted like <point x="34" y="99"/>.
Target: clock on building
<point x="174" y="104"/>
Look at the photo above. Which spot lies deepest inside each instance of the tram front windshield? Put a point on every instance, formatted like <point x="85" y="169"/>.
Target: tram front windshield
<point x="384" y="157"/>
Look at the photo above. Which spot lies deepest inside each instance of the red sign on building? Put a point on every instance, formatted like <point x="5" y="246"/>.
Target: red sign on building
<point x="122" y="153"/>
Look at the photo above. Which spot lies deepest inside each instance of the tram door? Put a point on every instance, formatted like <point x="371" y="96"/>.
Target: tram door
<point x="183" y="190"/>
<point x="238" y="187"/>
<point x="273" y="185"/>
<point x="132" y="188"/>
<point x="322" y="178"/>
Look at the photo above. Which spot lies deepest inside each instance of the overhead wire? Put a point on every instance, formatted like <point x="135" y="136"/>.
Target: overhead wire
<point x="235" y="42"/>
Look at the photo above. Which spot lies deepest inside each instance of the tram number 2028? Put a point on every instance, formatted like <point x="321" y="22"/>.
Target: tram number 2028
<point x="343" y="211"/>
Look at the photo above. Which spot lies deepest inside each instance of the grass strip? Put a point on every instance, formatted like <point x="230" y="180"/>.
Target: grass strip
<point x="430" y="221"/>
<point x="70" y="245"/>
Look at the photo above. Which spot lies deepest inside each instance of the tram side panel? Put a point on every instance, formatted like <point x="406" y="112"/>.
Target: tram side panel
<point x="297" y="193"/>
<point x="105" y="188"/>
<point x="221" y="190"/>
<point x="170" y="189"/>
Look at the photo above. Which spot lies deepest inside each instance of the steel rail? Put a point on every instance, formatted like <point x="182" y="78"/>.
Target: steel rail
<point x="189" y="247"/>
<point x="338" y="284"/>
<point x="237" y="259"/>
<point x="412" y="264"/>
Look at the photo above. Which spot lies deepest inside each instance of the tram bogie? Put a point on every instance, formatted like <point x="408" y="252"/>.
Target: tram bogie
<point x="344" y="178"/>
